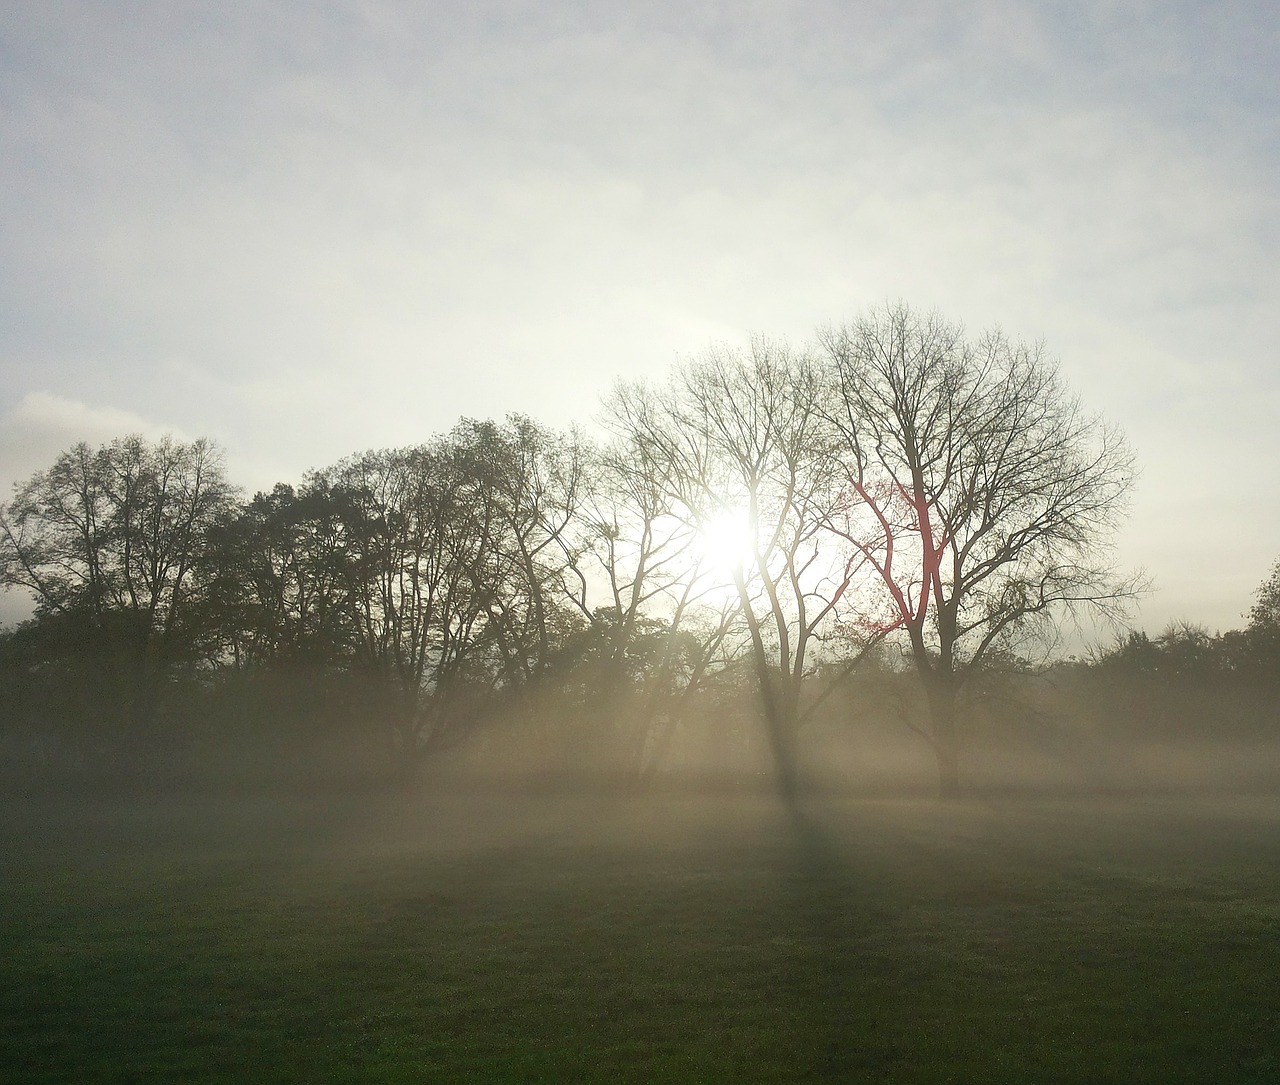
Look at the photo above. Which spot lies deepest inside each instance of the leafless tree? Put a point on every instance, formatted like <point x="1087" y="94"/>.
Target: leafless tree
<point x="657" y="637"/>
<point x="742" y="436"/>
<point x="977" y="488"/>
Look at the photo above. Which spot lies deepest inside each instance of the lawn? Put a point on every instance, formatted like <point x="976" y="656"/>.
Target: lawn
<point x="452" y="937"/>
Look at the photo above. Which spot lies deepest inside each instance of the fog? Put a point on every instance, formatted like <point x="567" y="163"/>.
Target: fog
<point x="523" y="907"/>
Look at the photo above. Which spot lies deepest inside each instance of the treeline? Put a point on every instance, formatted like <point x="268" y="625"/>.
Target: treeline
<point x="1188" y="683"/>
<point x="773" y="544"/>
<point x="386" y="607"/>
<point x="406" y="593"/>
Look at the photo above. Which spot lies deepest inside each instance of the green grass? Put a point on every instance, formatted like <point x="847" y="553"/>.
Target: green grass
<point x="452" y="938"/>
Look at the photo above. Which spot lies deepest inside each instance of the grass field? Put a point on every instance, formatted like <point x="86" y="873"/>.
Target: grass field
<point x="483" y="938"/>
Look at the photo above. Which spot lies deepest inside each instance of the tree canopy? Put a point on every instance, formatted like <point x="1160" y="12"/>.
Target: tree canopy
<point x="778" y="509"/>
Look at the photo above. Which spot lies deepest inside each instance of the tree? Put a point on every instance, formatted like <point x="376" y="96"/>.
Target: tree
<point x="530" y="483"/>
<point x="741" y="440"/>
<point x="440" y="571"/>
<point x="977" y="488"/>
<point x="1265" y="612"/>
<point x="655" y="641"/>
<point x="276" y="596"/>
<point x="113" y="542"/>
<point x="417" y="564"/>
<point x="1255" y="650"/>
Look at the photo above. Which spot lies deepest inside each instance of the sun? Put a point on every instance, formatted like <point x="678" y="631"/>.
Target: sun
<point x="725" y="544"/>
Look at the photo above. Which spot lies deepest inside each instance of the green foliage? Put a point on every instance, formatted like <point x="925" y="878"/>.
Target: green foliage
<point x="1264" y="615"/>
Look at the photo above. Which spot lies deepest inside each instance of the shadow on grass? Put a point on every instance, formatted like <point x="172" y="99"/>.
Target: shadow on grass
<point x="838" y="975"/>
<point x="471" y="939"/>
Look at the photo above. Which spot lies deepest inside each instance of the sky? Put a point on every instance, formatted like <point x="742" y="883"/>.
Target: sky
<point x="303" y="229"/>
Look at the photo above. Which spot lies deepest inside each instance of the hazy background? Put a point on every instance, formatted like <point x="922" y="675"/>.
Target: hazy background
<point x="303" y="229"/>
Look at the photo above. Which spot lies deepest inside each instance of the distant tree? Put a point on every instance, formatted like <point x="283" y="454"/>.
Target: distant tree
<point x="1188" y="651"/>
<point x="112" y="544"/>
<point x="1254" y="652"/>
<point x="1133" y="653"/>
<point x="1265" y="612"/>
<point x="977" y="488"/>
<point x="1182" y="650"/>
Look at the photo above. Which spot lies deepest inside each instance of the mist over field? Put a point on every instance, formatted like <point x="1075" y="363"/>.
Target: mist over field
<point x="560" y="542"/>
<point x="601" y="882"/>
<point x="492" y="934"/>
<point x="740" y="746"/>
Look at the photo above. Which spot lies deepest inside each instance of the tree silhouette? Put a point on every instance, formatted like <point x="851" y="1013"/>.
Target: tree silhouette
<point x="745" y="437"/>
<point x="112" y="543"/>
<point x="977" y="488"/>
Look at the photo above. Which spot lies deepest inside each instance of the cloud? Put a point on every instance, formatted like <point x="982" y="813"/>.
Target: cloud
<point x="45" y="413"/>
<point x="41" y="425"/>
<point x="302" y="230"/>
<point x="33" y="433"/>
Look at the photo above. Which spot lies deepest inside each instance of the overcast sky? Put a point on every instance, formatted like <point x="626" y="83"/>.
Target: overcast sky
<point x="308" y="228"/>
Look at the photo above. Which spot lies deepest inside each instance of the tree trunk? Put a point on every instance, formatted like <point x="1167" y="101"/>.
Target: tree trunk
<point x="948" y="755"/>
<point x="780" y="723"/>
<point x="946" y="740"/>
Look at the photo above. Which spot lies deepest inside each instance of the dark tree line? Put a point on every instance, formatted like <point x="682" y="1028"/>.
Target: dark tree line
<point x="1188" y="683"/>
<point x="429" y="587"/>
<point x="767" y="521"/>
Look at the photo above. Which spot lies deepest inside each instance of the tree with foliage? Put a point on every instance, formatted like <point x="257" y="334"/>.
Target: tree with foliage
<point x="406" y="525"/>
<point x="437" y="571"/>
<point x="1254" y="652"/>
<point x="531" y="482"/>
<point x="112" y="544"/>
<point x="277" y="590"/>
<point x="1265" y="612"/>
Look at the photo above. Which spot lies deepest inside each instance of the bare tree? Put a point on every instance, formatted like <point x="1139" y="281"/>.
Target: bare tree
<point x="531" y="482"/>
<point x="742" y="437"/>
<point x="657" y="638"/>
<point x="977" y="488"/>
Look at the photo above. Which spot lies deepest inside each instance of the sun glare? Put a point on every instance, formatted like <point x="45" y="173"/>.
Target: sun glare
<point x="726" y="543"/>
